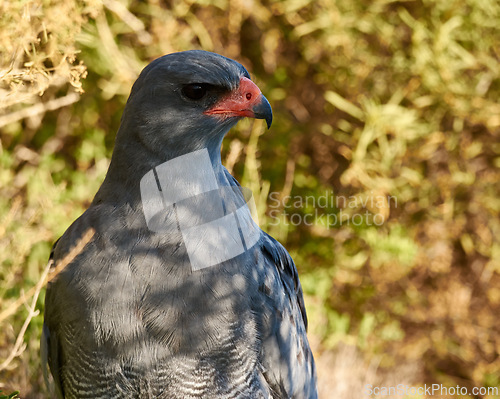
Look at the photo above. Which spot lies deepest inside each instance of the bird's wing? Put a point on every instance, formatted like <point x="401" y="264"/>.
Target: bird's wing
<point x="288" y="272"/>
<point x="49" y="351"/>
<point x="287" y="361"/>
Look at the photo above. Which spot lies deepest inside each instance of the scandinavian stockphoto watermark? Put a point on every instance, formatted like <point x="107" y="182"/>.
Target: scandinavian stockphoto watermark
<point x="220" y="223"/>
<point x="183" y="195"/>
<point x="330" y="210"/>
<point x="433" y="390"/>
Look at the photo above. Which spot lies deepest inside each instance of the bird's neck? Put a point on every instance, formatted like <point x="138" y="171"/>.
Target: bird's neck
<point x="132" y="161"/>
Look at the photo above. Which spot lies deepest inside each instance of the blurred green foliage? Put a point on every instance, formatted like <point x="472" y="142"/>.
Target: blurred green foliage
<point x="389" y="105"/>
<point x="13" y="395"/>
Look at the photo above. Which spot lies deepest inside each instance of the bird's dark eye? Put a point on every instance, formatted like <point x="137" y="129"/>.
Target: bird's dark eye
<point x="195" y="91"/>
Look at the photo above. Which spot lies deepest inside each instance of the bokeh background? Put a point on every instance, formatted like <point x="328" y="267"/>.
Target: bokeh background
<point x="391" y="106"/>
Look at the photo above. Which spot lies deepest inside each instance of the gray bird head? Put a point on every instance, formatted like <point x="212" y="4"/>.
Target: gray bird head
<point x="186" y="101"/>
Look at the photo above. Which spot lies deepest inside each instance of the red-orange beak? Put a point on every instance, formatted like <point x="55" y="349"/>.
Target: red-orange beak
<point x="246" y="100"/>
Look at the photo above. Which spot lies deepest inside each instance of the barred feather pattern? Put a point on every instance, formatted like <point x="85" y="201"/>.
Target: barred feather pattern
<point x="226" y="373"/>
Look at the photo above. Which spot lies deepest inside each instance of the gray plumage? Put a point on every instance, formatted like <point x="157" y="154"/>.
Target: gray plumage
<point x="128" y="318"/>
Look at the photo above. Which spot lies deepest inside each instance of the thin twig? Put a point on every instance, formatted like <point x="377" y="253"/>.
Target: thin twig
<point x="19" y="346"/>
<point x="130" y="19"/>
<point x="288" y="185"/>
<point x="235" y="149"/>
<point x="53" y="274"/>
<point x="75" y="251"/>
<point x="39" y="108"/>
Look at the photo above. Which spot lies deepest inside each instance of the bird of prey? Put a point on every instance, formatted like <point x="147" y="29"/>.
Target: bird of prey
<point x="178" y="294"/>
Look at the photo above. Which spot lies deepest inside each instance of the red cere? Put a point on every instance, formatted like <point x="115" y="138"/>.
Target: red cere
<point x="239" y="102"/>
